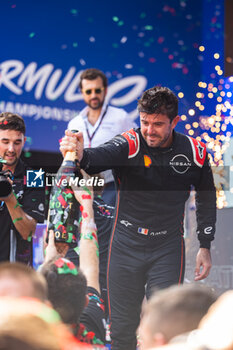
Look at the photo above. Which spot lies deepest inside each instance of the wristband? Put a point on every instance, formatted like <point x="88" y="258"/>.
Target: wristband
<point x="89" y="226"/>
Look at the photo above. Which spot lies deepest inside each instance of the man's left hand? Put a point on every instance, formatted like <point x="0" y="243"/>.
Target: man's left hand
<point x="203" y="264"/>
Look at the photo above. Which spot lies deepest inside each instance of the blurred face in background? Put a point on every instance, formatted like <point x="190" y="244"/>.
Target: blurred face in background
<point x="94" y="92"/>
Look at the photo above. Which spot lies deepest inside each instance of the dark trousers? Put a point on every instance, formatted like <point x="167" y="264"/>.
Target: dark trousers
<point x="132" y="273"/>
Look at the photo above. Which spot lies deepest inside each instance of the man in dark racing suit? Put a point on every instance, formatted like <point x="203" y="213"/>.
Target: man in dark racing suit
<point x="155" y="169"/>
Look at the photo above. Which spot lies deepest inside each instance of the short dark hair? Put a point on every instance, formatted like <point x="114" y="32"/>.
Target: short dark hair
<point x="159" y="100"/>
<point x="18" y="271"/>
<point x="92" y="74"/>
<point x="12" y="121"/>
<point x="66" y="291"/>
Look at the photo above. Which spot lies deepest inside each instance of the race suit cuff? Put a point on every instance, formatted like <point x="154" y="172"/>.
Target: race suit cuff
<point x="84" y="164"/>
<point x="205" y="244"/>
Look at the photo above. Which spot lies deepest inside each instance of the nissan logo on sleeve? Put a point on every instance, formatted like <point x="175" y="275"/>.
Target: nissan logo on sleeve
<point x="208" y="230"/>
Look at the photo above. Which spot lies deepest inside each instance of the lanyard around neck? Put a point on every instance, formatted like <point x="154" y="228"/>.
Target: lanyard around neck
<point x="90" y="137"/>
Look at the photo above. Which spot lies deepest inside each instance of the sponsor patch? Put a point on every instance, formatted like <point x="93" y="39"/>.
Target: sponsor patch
<point x="180" y="163"/>
<point x="133" y="140"/>
<point x="208" y="230"/>
<point x="147" y="161"/>
<point x="143" y="231"/>
<point x="126" y="223"/>
<point x="118" y="140"/>
<point x="41" y="207"/>
<point x="159" y="233"/>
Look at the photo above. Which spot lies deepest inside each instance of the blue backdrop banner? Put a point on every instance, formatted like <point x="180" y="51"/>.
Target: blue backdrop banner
<point x="45" y="45"/>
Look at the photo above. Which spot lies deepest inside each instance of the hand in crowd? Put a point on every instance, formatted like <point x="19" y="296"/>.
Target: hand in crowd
<point x="89" y="248"/>
<point x="53" y="249"/>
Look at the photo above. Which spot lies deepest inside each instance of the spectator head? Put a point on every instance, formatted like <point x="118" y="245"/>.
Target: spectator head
<point x="215" y="330"/>
<point x="20" y="280"/>
<point x="27" y="332"/>
<point x="66" y="288"/>
<point x="173" y="311"/>
<point x="32" y="325"/>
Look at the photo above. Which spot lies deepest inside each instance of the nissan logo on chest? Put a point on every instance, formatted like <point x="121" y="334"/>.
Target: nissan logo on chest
<point x="180" y="163"/>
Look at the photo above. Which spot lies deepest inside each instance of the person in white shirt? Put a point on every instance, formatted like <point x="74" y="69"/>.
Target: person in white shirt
<point x="99" y="121"/>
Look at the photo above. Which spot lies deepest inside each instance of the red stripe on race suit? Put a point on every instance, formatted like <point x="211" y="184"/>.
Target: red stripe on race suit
<point x="133" y="141"/>
<point x="199" y="151"/>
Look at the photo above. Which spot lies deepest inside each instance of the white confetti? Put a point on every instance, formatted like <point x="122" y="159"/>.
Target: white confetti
<point x="82" y="62"/>
<point x="124" y="39"/>
<point x="128" y="66"/>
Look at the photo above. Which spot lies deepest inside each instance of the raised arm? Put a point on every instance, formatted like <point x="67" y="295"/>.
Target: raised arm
<point x="89" y="249"/>
<point x="110" y="155"/>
